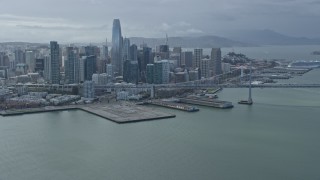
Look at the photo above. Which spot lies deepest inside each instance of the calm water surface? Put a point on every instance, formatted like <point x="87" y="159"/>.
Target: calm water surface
<point x="291" y="53"/>
<point x="276" y="138"/>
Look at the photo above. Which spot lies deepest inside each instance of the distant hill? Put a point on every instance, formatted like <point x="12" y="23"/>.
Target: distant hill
<point x="242" y="38"/>
<point x="22" y="43"/>
<point x="269" y="37"/>
<point x="189" y="42"/>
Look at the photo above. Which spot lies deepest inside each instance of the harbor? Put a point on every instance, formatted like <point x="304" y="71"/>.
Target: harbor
<point x="119" y="113"/>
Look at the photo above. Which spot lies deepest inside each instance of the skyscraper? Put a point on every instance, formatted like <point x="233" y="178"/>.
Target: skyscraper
<point x="47" y="68"/>
<point x="90" y="66"/>
<point x="161" y="72"/>
<point x="176" y="54"/>
<point x="30" y="61"/>
<point x="186" y="59"/>
<point x="105" y="51"/>
<point x="70" y="66"/>
<point x="39" y="66"/>
<point x="146" y="58"/>
<point x="19" y="56"/>
<point x="116" y="51"/>
<point x="150" y="73"/>
<point x="126" y="49"/>
<point x="134" y="52"/>
<point x="164" y="51"/>
<point x="131" y="71"/>
<point x="55" y="69"/>
<point x="216" y="60"/>
<point x="197" y="56"/>
<point x="205" y="68"/>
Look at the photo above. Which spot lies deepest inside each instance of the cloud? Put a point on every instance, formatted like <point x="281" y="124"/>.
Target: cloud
<point x="34" y="29"/>
<point x="165" y="26"/>
<point x="154" y="18"/>
<point x="94" y="2"/>
<point x="183" y="24"/>
<point x="191" y="31"/>
<point x="29" y="18"/>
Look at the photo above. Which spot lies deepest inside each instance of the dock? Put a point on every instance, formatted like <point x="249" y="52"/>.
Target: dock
<point x="119" y="113"/>
<point x="174" y="105"/>
<point x="207" y="102"/>
<point x="15" y="112"/>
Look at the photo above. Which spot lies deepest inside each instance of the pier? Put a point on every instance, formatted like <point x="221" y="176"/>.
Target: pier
<point x="119" y="113"/>
<point x="126" y="113"/>
<point x="174" y="105"/>
<point x="207" y="102"/>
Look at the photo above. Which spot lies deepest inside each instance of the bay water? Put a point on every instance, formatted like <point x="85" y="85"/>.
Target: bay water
<point x="278" y="137"/>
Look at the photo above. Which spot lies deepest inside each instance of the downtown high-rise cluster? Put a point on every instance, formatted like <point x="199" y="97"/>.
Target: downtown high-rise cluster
<point x="126" y="62"/>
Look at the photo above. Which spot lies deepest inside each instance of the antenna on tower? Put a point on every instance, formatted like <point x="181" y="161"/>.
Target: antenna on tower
<point x="166" y="39"/>
<point x="106" y="41"/>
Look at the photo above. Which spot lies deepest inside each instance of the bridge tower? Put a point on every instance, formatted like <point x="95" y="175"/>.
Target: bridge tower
<point x="250" y="76"/>
<point x="249" y="101"/>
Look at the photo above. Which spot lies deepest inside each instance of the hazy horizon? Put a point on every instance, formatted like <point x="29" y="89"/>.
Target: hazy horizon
<point x="91" y="20"/>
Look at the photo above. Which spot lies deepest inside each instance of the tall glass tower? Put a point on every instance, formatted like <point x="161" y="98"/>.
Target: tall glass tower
<point x="116" y="51"/>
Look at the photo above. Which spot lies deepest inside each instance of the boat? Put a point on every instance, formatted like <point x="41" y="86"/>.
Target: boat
<point x="304" y="64"/>
<point x="247" y="102"/>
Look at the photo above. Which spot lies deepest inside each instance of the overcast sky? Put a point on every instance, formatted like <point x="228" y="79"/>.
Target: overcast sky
<point x="91" y="20"/>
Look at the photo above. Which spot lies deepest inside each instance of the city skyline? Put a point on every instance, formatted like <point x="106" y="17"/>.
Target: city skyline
<point x="23" y="22"/>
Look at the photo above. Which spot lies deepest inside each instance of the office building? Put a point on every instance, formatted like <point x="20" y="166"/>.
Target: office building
<point x="126" y="49"/>
<point x="176" y="54"/>
<point x="186" y="59"/>
<point x="181" y="77"/>
<point x="110" y="70"/>
<point x="47" y="68"/>
<point x="164" y="51"/>
<point x="101" y="66"/>
<point x="70" y="66"/>
<point x="150" y="73"/>
<point x="197" y="56"/>
<point x="116" y="51"/>
<point x="100" y="79"/>
<point x="82" y="64"/>
<point x="226" y="67"/>
<point x="55" y="69"/>
<point x="21" y="69"/>
<point x="205" y="68"/>
<point x="134" y="52"/>
<point x="131" y="72"/>
<point x="216" y="59"/>
<point x="4" y="59"/>
<point x="39" y="66"/>
<point x="90" y="67"/>
<point x="146" y="58"/>
<point x="194" y="74"/>
<point x="30" y="61"/>
<point x="161" y="72"/>
<point x="19" y="56"/>
<point x="105" y="51"/>
<point x="88" y="89"/>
